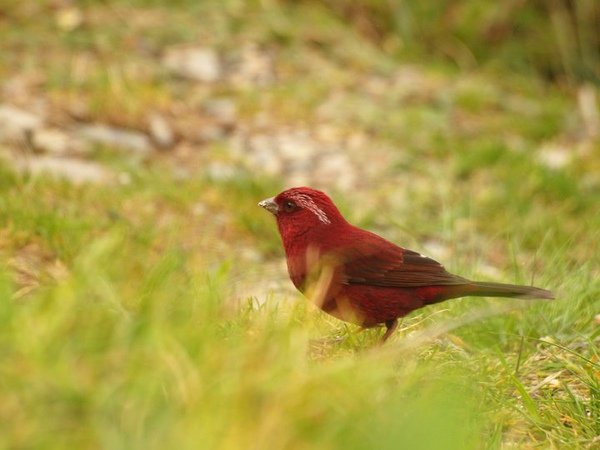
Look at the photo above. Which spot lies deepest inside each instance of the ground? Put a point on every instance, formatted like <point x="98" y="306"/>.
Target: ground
<point x="145" y="302"/>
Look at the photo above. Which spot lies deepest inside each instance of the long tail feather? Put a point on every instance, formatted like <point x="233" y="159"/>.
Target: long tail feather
<point x="485" y="289"/>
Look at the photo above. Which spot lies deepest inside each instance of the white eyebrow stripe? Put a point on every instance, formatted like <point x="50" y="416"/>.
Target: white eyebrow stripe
<point x="305" y="201"/>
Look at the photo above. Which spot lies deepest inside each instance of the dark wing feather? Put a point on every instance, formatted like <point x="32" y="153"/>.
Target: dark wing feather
<point x="380" y="263"/>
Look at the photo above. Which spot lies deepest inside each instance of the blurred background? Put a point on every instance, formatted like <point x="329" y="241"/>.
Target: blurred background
<point x="332" y="93"/>
<point x="145" y="300"/>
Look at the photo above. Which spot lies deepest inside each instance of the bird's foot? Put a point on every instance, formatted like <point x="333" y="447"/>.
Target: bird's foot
<point x="391" y="326"/>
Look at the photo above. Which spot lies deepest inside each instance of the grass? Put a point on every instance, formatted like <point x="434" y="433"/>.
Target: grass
<point x="143" y="341"/>
<point x="141" y="314"/>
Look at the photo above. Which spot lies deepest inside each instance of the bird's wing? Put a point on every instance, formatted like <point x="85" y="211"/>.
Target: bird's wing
<point x="381" y="263"/>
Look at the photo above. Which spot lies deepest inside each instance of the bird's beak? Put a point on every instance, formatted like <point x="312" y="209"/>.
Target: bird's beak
<point x="270" y="205"/>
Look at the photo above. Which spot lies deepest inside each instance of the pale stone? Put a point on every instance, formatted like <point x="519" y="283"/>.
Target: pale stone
<point x="74" y="170"/>
<point x="195" y="63"/>
<point x="116" y="138"/>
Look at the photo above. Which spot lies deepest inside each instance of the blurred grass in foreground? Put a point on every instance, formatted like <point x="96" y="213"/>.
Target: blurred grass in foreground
<point x="85" y="363"/>
<point x="133" y="346"/>
<point x="133" y="338"/>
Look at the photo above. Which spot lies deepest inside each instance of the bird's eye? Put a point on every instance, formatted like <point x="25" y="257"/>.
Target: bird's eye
<point x="289" y="206"/>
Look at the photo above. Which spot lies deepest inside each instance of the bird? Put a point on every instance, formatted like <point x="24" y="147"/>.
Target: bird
<point x="358" y="276"/>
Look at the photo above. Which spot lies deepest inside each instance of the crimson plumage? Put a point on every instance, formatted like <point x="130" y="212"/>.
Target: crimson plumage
<point x="358" y="276"/>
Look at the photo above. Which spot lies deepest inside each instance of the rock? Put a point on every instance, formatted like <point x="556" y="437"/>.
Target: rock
<point x="58" y="142"/>
<point x="588" y="107"/>
<point x="69" y="18"/>
<point x="357" y="141"/>
<point x="51" y="141"/>
<point x="209" y="132"/>
<point x="336" y="169"/>
<point x="161" y="131"/>
<point x="79" y="109"/>
<point x="297" y="146"/>
<point x="17" y="124"/>
<point x="194" y="63"/>
<point x="253" y="67"/>
<point x="74" y="170"/>
<point x="18" y="88"/>
<point x="116" y="138"/>
<point x="222" y="109"/>
<point x="262" y="154"/>
<point x="437" y="249"/>
<point x="219" y="171"/>
<point x="300" y="157"/>
<point x="554" y="156"/>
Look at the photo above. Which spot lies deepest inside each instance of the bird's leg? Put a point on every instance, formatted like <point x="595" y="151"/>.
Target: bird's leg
<point x="391" y="326"/>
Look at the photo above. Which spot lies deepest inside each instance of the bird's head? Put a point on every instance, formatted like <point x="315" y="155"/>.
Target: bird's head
<point x="302" y="209"/>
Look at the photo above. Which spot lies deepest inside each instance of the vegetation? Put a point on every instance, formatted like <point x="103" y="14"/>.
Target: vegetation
<point x="154" y="311"/>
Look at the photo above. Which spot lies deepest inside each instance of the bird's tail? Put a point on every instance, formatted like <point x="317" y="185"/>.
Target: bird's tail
<point x="485" y="289"/>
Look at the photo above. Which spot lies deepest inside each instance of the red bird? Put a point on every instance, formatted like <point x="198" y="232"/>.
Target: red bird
<point x="358" y="276"/>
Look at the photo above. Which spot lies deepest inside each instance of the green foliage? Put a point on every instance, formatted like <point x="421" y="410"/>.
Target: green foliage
<point x="88" y="361"/>
<point x="136" y="345"/>
<point x="140" y="315"/>
<point x="556" y="39"/>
